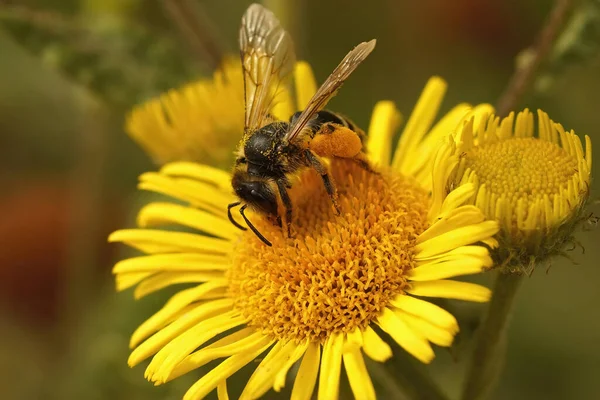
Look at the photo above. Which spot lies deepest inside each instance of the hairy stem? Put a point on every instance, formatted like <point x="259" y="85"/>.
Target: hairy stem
<point x="523" y="76"/>
<point x="488" y="355"/>
<point x="490" y="347"/>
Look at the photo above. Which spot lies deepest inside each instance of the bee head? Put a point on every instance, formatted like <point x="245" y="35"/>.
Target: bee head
<point x="256" y="192"/>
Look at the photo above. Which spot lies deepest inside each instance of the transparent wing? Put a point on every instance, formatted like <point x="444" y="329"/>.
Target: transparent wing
<point x="331" y="85"/>
<point x="268" y="57"/>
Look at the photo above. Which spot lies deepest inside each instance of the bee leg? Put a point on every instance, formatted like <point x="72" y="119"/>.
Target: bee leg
<point x="287" y="203"/>
<point x="322" y="170"/>
<point x="253" y="228"/>
<point x="233" y="221"/>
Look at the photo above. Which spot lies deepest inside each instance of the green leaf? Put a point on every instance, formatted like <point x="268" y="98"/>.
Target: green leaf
<point x="578" y="44"/>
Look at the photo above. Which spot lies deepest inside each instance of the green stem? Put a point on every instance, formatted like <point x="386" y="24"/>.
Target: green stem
<point x="488" y="355"/>
<point x="523" y="76"/>
<point x="490" y="348"/>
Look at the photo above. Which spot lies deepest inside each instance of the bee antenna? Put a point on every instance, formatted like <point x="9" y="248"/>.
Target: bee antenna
<point x="252" y="227"/>
<point x="233" y="221"/>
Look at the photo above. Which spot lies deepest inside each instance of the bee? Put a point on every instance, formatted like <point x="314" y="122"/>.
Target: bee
<point x="272" y="151"/>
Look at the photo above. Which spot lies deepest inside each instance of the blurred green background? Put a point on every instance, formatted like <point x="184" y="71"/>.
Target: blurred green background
<point x="69" y="71"/>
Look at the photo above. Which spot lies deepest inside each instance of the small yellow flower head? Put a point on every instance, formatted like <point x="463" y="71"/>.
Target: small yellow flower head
<point x="536" y="186"/>
<point x="200" y="122"/>
<point x="324" y="298"/>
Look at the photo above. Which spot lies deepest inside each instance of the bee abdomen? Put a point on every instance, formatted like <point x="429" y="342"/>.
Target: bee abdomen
<point x="323" y="117"/>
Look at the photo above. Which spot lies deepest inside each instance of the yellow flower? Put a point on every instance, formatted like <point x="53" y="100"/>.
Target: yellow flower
<point x="200" y="122"/>
<point x="536" y="186"/>
<point x="324" y="297"/>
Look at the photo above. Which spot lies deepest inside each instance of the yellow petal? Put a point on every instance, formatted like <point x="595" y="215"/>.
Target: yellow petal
<point x="409" y="340"/>
<point x="192" y="262"/>
<point x="198" y="194"/>
<point x="129" y="279"/>
<point x="175" y="304"/>
<point x="444" y="164"/>
<point x="166" y="334"/>
<point x="162" y="280"/>
<point x="457" y="218"/>
<point x="264" y="375"/>
<point x="588" y="152"/>
<point x="447" y="269"/>
<point x="268" y="360"/>
<point x="222" y="390"/>
<point x="200" y="172"/>
<point x="137" y="124"/>
<point x="158" y="241"/>
<point x="243" y="341"/>
<point x="481" y="113"/>
<point x="491" y="243"/>
<point x="306" y="379"/>
<point x="306" y="85"/>
<point x="212" y="378"/>
<point x="283" y="106"/>
<point x="358" y="376"/>
<point x="456" y="198"/>
<point x="375" y="347"/>
<point x="329" y="379"/>
<point x="421" y="160"/>
<point x="434" y="333"/>
<point x="353" y="340"/>
<point x="282" y="374"/>
<point x="462" y="251"/>
<point x="456" y="238"/>
<point x="451" y="290"/>
<point x="165" y="361"/>
<point x="426" y="310"/>
<point x="267" y="371"/>
<point x="199" y="121"/>
<point x="477" y="116"/>
<point x="151" y="326"/>
<point x="420" y="121"/>
<point x="385" y="120"/>
<point x="168" y="213"/>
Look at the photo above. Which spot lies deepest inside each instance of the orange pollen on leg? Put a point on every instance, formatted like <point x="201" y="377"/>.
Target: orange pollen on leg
<point x="342" y="142"/>
<point x="338" y="271"/>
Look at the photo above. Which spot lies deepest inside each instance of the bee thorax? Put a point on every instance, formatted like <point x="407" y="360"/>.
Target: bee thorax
<point x="261" y="147"/>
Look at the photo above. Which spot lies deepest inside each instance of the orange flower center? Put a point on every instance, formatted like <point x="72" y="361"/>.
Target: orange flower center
<point x="339" y="271"/>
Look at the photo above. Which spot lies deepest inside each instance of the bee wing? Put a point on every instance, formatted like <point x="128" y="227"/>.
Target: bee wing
<point x="268" y="57"/>
<point x="331" y="85"/>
